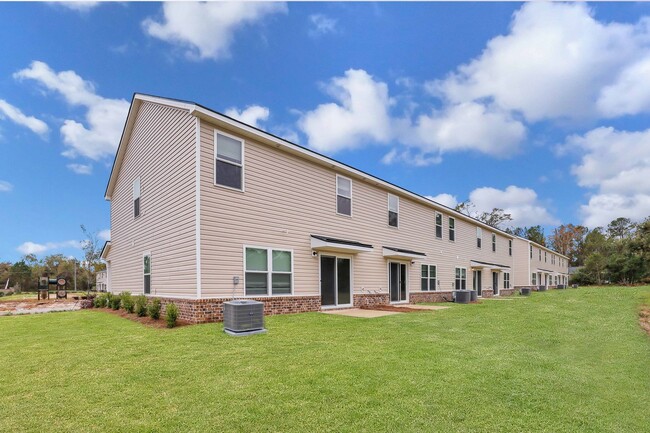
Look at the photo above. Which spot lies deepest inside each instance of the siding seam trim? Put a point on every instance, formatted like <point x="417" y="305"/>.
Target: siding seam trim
<point x="197" y="189"/>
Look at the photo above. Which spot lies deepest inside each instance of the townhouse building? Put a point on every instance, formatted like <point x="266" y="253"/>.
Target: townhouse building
<point x="538" y="266"/>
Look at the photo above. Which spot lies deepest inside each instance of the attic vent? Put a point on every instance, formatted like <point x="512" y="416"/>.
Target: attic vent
<point x="243" y="317"/>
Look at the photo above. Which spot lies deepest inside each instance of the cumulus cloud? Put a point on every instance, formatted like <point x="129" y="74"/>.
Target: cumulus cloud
<point x="81" y="168"/>
<point x="79" y="6"/>
<point x="6" y="186"/>
<point x="104" y="117"/>
<point x="251" y="115"/>
<point x="616" y="164"/>
<point x="321" y="25"/>
<point x="35" y="248"/>
<point x="14" y="114"/>
<point x="104" y="235"/>
<point x="359" y="115"/>
<point x="207" y="30"/>
<point x="630" y="93"/>
<point x="522" y="203"/>
<point x="444" y="199"/>
<point x="557" y="61"/>
<point x="409" y="157"/>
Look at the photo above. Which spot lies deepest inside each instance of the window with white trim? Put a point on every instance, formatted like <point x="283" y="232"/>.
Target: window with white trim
<point x="269" y="271"/>
<point x="479" y="234"/>
<point x="510" y="247"/>
<point x="136" y="198"/>
<point x="461" y="279"/>
<point x="146" y="272"/>
<point x="438" y="225"/>
<point x="229" y="161"/>
<point x="539" y="250"/>
<point x="428" y="278"/>
<point x="531" y="251"/>
<point x="494" y="243"/>
<point x="545" y="256"/>
<point x="343" y="196"/>
<point x="393" y="210"/>
<point x="506" y="280"/>
<point x="452" y="229"/>
<point x="534" y="279"/>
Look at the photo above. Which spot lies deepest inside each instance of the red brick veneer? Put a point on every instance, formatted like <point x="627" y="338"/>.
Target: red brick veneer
<point x="370" y="300"/>
<point x="417" y="297"/>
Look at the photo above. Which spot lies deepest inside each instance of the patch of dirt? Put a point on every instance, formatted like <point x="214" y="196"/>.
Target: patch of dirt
<point x="33" y="306"/>
<point x="146" y="321"/>
<point x="644" y="318"/>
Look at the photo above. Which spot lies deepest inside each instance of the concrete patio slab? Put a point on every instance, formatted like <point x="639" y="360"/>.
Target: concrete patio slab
<point x="421" y="307"/>
<point x="358" y="312"/>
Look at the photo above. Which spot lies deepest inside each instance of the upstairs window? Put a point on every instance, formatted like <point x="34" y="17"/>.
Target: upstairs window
<point x="531" y="251"/>
<point x="510" y="247"/>
<point x="479" y="234"/>
<point x="540" y="254"/>
<point x="494" y="243"/>
<point x="229" y="162"/>
<point x="545" y="256"/>
<point x="428" y="278"/>
<point x="268" y="271"/>
<point x="452" y="229"/>
<point x="343" y="195"/>
<point x="438" y="225"/>
<point x="146" y="271"/>
<point x="136" y="198"/>
<point x="393" y="210"/>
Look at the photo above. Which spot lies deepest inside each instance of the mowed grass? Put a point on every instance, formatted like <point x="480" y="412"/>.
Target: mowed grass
<point x="573" y="360"/>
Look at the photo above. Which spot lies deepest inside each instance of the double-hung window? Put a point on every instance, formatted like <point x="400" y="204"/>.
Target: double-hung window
<point x="540" y="254"/>
<point x="531" y="251"/>
<point x="268" y="271"/>
<point x="461" y="279"/>
<point x="494" y="243"/>
<point x="510" y="247"/>
<point x="428" y="278"/>
<point x="136" y="198"/>
<point x="545" y="256"/>
<point x="146" y="272"/>
<point x="452" y="229"/>
<point x="393" y="210"/>
<point x="343" y="195"/>
<point x="534" y="279"/>
<point x="438" y="225"/>
<point x="229" y="161"/>
<point x="479" y="234"/>
<point x="506" y="280"/>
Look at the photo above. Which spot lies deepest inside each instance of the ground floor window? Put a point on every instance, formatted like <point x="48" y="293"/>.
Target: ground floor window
<point x="534" y="279"/>
<point x="506" y="280"/>
<point x="461" y="279"/>
<point x="146" y="268"/>
<point x="428" y="277"/>
<point x="269" y="271"/>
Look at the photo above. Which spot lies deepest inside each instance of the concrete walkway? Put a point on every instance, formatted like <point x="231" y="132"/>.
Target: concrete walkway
<point x="421" y="307"/>
<point x="358" y="312"/>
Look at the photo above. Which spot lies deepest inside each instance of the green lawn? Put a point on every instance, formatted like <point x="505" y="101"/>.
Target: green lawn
<point x="573" y="360"/>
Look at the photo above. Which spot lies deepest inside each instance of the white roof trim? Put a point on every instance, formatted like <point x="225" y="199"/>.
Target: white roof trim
<point x="392" y="254"/>
<point x="337" y="247"/>
<point x="474" y="264"/>
<point x="106" y="250"/>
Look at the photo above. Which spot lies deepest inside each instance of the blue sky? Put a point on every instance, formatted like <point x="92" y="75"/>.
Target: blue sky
<point x="541" y="109"/>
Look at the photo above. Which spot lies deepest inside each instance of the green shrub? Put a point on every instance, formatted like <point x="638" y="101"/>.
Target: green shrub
<point x="141" y="305"/>
<point x="154" y="309"/>
<point x="127" y="302"/>
<point x="101" y="300"/>
<point x="171" y="315"/>
<point x="115" y="302"/>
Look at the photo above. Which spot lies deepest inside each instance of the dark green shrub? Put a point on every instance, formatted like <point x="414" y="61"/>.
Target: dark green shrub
<point x="115" y="302"/>
<point x="101" y="300"/>
<point x="154" y="309"/>
<point x="127" y="302"/>
<point x="141" y="305"/>
<point x="171" y="314"/>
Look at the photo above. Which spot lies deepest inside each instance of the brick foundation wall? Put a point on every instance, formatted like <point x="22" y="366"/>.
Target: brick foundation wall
<point x="507" y="292"/>
<point x="416" y="298"/>
<point x="211" y="310"/>
<point x="487" y="293"/>
<point x="370" y="300"/>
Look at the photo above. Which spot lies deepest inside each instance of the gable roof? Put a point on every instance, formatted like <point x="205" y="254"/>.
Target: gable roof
<point x="267" y="138"/>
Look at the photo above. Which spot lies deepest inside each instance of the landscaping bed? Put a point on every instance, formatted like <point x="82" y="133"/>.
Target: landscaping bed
<point x="147" y="321"/>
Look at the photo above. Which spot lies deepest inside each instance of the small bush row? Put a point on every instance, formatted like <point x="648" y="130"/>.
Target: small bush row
<point x="137" y="305"/>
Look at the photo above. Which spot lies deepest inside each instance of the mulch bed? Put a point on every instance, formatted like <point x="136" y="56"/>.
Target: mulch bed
<point x="146" y="321"/>
<point x="644" y="318"/>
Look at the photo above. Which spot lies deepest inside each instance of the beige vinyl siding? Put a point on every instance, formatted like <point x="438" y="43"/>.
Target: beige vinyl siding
<point x="161" y="152"/>
<point x="288" y="198"/>
<point x="521" y="254"/>
<point x="525" y="266"/>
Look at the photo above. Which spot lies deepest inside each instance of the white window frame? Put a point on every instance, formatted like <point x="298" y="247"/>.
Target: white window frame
<point x="441" y="226"/>
<point x="389" y="209"/>
<point x="242" y="164"/>
<point x="506" y="280"/>
<point x="338" y="176"/>
<point x="147" y="254"/>
<point x="530" y="247"/>
<point x="435" y="284"/>
<point x="510" y="247"/>
<point x="533" y="281"/>
<point x="461" y="268"/>
<point x="479" y="238"/>
<point x="269" y="271"/>
<point x="494" y="242"/>
<point x="136" y="181"/>
<point x="539" y="250"/>
<point x="451" y="230"/>
<point x="545" y="257"/>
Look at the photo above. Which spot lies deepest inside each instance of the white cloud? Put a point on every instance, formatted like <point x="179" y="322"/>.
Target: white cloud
<point x="321" y="25"/>
<point x="14" y="114"/>
<point x="105" y="117"/>
<point x="554" y="62"/>
<point x="34" y="248"/>
<point x="104" y="235"/>
<point x="617" y="165"/>
<point x="417" y="159"/>
<point x="206" y="30"/>
<point x="79" y="6"/>
<point x="521" y="203"/>
<point x="444" y="199"/>
<point x="359" y="116"/>
<point x="251" y="115"/>
<point x="81" y="168"/>
<point x="630" y="94"/>
<point x="6" y="186"/>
